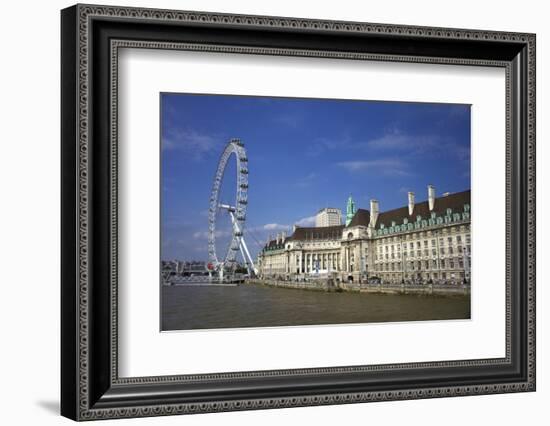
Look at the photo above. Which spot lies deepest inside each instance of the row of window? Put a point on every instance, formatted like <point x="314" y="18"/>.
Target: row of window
<point x="428" y="234"/>
<point x="433" y="275"/>
<point x="411" y="245"/>
<point x="425" y="253"/>
<point x="425" y="265"/>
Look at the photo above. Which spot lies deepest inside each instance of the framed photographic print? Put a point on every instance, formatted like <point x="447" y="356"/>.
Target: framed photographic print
<point x="263" y="212"/>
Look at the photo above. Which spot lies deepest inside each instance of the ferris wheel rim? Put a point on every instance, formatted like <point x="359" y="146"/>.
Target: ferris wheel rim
<point x="233" y="148"/>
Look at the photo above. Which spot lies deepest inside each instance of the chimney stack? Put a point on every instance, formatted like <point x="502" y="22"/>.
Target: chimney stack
<point x="411" y="202"/>
<point x="373" y="213"/>
<point x="278" y="238"/>
<point x="283" y="236"/>
<point x="431" y="196"/>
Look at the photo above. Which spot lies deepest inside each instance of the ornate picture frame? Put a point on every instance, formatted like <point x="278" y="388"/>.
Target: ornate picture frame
<point x="91" y="37"/>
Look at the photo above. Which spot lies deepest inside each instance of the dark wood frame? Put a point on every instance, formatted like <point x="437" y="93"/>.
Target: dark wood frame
<point x="90" y="386"/>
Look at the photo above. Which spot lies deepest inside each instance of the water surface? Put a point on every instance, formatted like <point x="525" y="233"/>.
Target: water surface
<point x="200" y="307"/>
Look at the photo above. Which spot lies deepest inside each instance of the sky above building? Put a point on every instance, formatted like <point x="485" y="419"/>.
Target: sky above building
<point x="304" y="154"/>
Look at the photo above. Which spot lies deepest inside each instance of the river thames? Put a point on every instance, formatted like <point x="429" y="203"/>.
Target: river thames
<point x="187" y="307"/>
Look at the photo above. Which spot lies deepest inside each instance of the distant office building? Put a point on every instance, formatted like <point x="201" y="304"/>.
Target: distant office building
<point x="328" y="217"/>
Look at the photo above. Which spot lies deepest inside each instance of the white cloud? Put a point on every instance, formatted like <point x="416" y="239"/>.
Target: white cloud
<point x="203" y="235"/>
<point x="385" y="166"/>
<point x="394" y="140"/>
<point x="306" y="221"/>
<point x="323" y="144"/>
<point x="306" y="181"/>
<point x="195" y="144"/>
<point x="274" y="227"/>
<point x="292" y="120"/>
<point x="432" y="145"/>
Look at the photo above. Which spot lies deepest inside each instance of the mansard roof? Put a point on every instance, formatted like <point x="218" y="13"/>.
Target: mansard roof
<point x="272" y="244"/>
<point x="317" y="233"/>
<point x="455" y="202"/>
<point x="360" y="218"/>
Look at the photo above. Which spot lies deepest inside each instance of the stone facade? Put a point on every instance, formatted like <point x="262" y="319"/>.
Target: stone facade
<point x="420" y="242"/>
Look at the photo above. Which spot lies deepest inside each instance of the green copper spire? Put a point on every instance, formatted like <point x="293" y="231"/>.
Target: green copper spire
<point x="350" y="210"/>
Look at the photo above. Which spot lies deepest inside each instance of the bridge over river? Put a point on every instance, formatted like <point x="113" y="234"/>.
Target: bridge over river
<point x="203" y="280"/>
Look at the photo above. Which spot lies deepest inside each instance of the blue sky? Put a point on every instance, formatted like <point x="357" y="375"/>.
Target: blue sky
<point x="304" y="154"/>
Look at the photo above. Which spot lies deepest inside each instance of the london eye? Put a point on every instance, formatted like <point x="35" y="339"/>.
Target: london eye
<point x="226" y="259"/>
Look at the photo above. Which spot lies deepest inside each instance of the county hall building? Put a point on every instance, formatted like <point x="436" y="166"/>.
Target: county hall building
<point x="428" y="241"/>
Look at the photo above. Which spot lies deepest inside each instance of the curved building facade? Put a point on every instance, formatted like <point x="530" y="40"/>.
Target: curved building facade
<point x="429" y="241"/>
